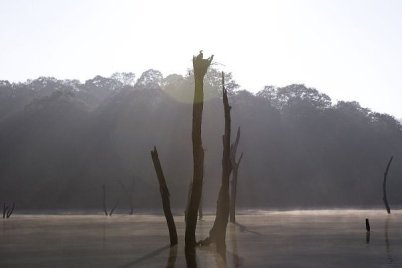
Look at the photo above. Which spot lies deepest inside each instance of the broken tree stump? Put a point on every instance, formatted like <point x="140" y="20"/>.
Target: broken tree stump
<point x="200" y="66"/>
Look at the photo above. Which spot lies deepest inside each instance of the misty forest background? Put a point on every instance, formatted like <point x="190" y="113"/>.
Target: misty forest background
<point x="60" y="140"/>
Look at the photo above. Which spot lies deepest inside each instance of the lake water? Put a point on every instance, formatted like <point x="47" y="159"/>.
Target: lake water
<point x="313" y="238"/>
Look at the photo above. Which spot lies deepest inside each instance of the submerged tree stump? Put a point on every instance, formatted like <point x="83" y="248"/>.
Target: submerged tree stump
<point x="165" y="198"/>
<point x="200" y="66"/>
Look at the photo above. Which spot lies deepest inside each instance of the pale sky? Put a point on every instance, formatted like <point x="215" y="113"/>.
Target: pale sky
<point x="349" y="49"/>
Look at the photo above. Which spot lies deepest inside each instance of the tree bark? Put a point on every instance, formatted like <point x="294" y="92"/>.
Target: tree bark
<point x="165" y="198"/>
<point x="235" y="166"/>
<point x="384" y="186"/>
<point x="200" y="66"/>
<point x="218" y="231"/>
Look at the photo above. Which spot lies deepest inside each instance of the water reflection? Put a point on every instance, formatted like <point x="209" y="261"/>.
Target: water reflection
<point x="191" y="257"/>
<point x="172" y="257"/>
<point x="220" y="257"/>
<point x="103" y="235"/>
<point x="94" y="241"/>
<point x="145" y="257"/>
<point x="243" y="229"/>
<point x="390" y="259"/>
<point x="233" y="238"/>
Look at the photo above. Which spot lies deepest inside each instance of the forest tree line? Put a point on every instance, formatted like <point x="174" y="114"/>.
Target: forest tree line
<point x="62" y="140"/>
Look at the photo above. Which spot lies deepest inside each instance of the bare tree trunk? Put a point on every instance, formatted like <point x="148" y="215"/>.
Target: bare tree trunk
<point x="104" y="199"/>
<point x="235" y="166"/>
<point x="218" y="231"/>
<point x="200" y="66"/>
<point x="384" y="186"/>
<point x="165" y="197"/>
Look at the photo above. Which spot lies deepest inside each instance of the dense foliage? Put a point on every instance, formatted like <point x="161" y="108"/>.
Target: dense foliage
<point x="60" y="140"/>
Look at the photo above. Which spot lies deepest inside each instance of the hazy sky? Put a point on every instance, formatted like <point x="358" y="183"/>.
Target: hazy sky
<point x="349" y="49"/>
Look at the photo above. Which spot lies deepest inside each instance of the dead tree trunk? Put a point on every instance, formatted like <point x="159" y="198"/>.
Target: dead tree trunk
<point x="384" y="186"/>
<point x="235" y="166"/>
<point x="218" y="231"/>
<point x="5" y="209"/>
<point x="104" y="199"/>
<point x="165" y="198"/>
<point x="200" y="66"/>
<point x="10" y="211"/>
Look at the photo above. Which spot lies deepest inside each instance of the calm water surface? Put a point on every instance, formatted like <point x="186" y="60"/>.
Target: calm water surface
<point x="314" y="238"/>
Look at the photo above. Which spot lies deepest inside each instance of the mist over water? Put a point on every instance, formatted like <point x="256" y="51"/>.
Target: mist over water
<point x="292" y="160"/>
<point x="312" y="238"/>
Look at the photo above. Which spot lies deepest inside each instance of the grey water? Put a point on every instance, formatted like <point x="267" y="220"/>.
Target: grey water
<point x="305" y="238"/>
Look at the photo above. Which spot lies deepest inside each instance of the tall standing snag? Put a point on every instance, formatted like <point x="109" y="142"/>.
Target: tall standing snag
<point x="218" y="231"/>
<point x="200" y="66"/>
<point x="165" y="197"/>
<point x="235" y="167"/>
<point x="384" y="186"/>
